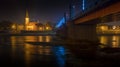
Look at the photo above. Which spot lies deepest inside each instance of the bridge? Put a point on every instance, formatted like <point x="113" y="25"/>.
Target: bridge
<point x="83" y="27"/>
<point x="112" y="9"/>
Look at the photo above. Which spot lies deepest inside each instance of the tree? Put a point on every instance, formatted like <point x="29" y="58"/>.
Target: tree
<point x="5" y="25"/>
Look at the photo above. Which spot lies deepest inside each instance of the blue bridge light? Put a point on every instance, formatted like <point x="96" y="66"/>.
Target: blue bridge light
<point x="83" y="5"/>
<point x="60" y="23"/>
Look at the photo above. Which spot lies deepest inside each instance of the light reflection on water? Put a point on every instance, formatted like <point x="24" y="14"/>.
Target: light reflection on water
<point x="15" y="49"/>
<point x="34" y="54"/>
<point x="110" y="41"/>
<point x="60" y="55"/>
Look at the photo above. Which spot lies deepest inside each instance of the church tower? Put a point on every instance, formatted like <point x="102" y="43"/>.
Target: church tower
<point x="26" y="18"/>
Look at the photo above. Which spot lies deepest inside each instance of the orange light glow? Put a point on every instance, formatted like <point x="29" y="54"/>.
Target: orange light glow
<point x="40" y="28"/>
<point x="47" y="28"/>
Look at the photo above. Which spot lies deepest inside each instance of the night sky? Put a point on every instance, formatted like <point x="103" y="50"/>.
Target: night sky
<point x="42" y="10"/>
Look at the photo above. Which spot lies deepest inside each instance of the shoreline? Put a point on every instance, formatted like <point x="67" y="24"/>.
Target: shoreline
<point x="26" y="34"/>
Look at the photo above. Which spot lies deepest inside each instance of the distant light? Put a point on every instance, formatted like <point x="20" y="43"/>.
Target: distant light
<point x="103" y="28"/>
<point x="73" y="6"/>
<point x="13" y="26"/>
<point x="62" y="21"/>
<point x="83" y="5"/>
<point x="47" y="28"/>
<point x="40" y="28"/>
<point x="114" y="27"/>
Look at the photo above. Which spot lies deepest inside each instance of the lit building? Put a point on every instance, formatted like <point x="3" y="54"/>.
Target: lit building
<point x="102" y="28"/>
<point x="48" y="27"/>
<point x="108" y="28"/>
<point x="20" y="27"/>
<point x="30" y="26"/>
<point x="35" y="26"/>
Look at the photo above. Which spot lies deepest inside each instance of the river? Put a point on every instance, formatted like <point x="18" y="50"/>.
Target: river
<point x="110" y="40"/>
<point x="15" y="51"/>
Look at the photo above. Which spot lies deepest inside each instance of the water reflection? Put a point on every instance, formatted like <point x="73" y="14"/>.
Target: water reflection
<point x="13" y="44"/>
<point x="15" y="49"/>
<point x="60" y="55"/>
<point x="48" y="39"/>
<point x="115" y="41"/>
<point x="110" y="41"/>
<point x="37" y="49"/>
<point x="36" y="52"/>
<point x="38" y="38"/>
<point x="31" y="38"/>
<point x="32" y="54"/>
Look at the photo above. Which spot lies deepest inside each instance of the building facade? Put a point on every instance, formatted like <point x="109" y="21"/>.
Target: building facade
<point x="35" y="26"/>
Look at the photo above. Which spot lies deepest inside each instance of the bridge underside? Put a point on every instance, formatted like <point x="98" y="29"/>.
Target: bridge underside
<point x="85" y="28"/>
<point x="115" y="8"/>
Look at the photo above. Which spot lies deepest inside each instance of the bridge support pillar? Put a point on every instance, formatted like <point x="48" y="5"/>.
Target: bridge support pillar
<point x="82" y="32"/>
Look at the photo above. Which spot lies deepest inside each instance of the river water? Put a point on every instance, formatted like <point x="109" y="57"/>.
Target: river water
<point x="15" y="51"/>
<point x="110" y="41"/>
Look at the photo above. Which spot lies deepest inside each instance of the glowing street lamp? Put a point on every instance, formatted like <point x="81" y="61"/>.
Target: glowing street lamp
<point x="47" y="28"/>
<point x="13" y="26"/>
<point x="114" y="27"/>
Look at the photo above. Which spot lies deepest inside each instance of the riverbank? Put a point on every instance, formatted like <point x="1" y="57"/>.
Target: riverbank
<point x="26" y="34"/>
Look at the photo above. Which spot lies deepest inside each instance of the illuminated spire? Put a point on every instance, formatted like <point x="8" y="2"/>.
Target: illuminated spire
<point x="27" y="18"/>
<point x="27" y="15"/>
